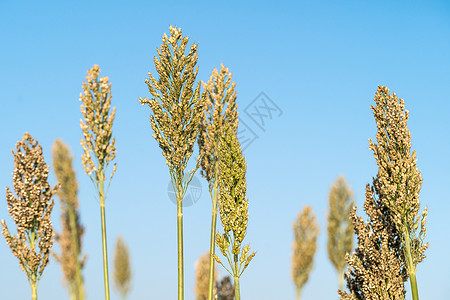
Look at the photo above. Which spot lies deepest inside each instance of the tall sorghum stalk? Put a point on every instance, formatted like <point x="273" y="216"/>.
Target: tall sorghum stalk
<point x="389" y="245"/>
<point x="220" y="109"/>
<point x="202" y="277"/>
<point x="339" y="227"/>
<point x="177" y="112"/>
<point x="306" y="230"/>
<point x="399" y="178"/>
<point x="122" y="268"/>
<point x="30" y="210"/>
<point x="233" y="206"/>
<point x="99" y="149"/>
<point x="72" y="231"/>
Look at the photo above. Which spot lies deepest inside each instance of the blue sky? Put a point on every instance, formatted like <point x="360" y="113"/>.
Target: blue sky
<point x="319" y="62"/>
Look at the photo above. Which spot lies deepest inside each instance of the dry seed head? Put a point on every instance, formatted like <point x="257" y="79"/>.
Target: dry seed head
<point x="306" y="230"/>
<point x="98" y="144"/>
<point x="30" y="209"/>
<point x="177" y="107"/>
<point x="392" y="204"/>
<point x="122" y="267"/>
<point x="398" y="179"/>
<point x="376" y="257"/>
<point x="72" y="231"/>
<point x="220" y="110"/>
<point x="339" y="227"/>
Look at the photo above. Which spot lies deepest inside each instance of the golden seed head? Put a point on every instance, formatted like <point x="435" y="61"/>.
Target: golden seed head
<point x="398" y="179"/>
<point x="220" y="110"/>
<point x="30" y="209"/>
<point x="392" y="204"/>
<point x="177" y="107"/>
<point x="98" y="144"/>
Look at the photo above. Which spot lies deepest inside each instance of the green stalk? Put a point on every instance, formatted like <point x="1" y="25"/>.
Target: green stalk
<point x="104" y="245"/>
<point x="79" y="289"/>
<point x="212" y="247"/>
<point x="177" y="183"/>
<point x="34" y="290"/>
<point x="180" y="248"/>
<point x="415" y="292"/>
<point x="237" y="293"/>
<point x="411" y="267"/>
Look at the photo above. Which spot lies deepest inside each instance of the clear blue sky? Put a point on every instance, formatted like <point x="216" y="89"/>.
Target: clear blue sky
<point x="319" y="63"/>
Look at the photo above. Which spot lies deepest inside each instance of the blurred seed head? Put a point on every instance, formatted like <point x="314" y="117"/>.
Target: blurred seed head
<point x="72" y="231"/>
<point x="122" y="267"/>
<point x="306" y="230"/>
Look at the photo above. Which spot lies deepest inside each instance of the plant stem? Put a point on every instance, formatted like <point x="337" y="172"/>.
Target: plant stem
<point x="237" y="293"/>
<point x="341" y="280"/>
<point x="212" y="247"/>
<point x="104" y="244"/>
<point x="297" y="294"/>
<point x="34" y="290"/>
<point x="414" y="290"/>
<point x="410" y="267"/>
<point x="180" y="244"/>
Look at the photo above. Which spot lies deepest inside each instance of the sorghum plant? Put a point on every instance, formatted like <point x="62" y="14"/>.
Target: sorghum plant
<point x="30" y="210"/>
<point x="220" y="109"/>
<point x="306" y="230"/>
<point x="225" y="289"/>
<point x="391" y="238"/>
<point x="202" y="277"/>
<point x="70" y="238"/>
<point x="122" y="268"/>
<point x="98" y="146"/>
<point x="233" y="206"/>
<point x="177" y="113"/>
<point x="339" y="227"/>
<point x="399" y="179"/>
